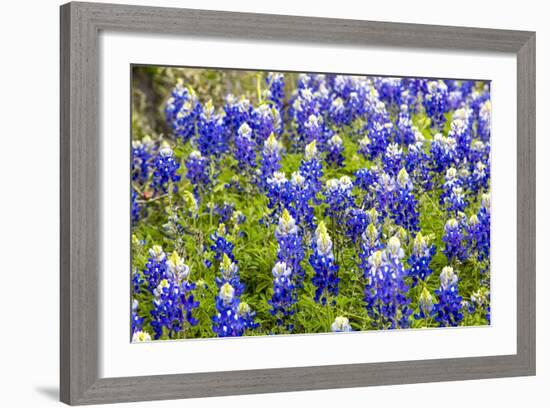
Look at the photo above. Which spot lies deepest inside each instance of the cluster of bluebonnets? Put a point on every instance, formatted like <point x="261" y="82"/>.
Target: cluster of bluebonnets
<point x="312" y="203"/>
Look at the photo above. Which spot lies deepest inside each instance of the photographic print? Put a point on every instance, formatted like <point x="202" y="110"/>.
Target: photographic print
<point x="280" y="203"/>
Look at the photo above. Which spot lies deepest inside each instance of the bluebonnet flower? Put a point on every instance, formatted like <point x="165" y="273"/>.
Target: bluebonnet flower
<point x="417" y="162"/>
<point x="452" y="84"/>
<point x="479" y="178"/>
<point x="305" y="81"/>
<point x="480" y="300"/>
<point x="303" y="105"/>
<point x="335" y="150"/>
<point x="322" y="95"/>
<point x="374" y="109"/>
<point x="479" y="152"/>
<point x="466" y="87"/>
<point x="237" y="112"/>
<point x="484" y="121"/>
<point x="227" y="322"/>
<point x="265" y="121"/>
<point x="377" y="111"/>
<point x="419" y="261"/>
<point x="340" y="324"/>
<point x="453" y="238"/>
<point x="308" y="123"/>
<point x="178" y="270"/>
<point x="364" y="147"/>
<point x="211" y="140"/>
<point x="475" y="236"/>
<point x="276" y="89"/>
<point x="156" y="268"/>
<point x="385" y="290"/>
<point x="455" y="99"/>
<point x="326" y="271"/>
<point x="290" y="249"/>
<point x="278" y="192"/>
<point x="313" y="129"/>
<point x="461" y="130"/>
<point x="379" y="135"/>
<point x="373" y="215"/>
<point x="403" y="205"/>
<point x="165" y="171"/>
<point x="389" y="89"/>
<point x="245" y="148"/>
<point x="182" y="111"/>
<point x="221" y="245"/>
<point x="409" y="99"/>
<point x="142" y="154"/>
<point x="479" y="235"/>
<point x="136" y="208"/>
<point x="452" y="195"/>
<point x="232" y="317"/>
<point x="338" y="112"/>
<point x="338" y="196"/>
<point x="224" y="211"/>
<point x="173" y="302"/>
<point x="413" y="88"/>
<point x="464" y="175"/>
<point x="436" y="102"/>
<point x="271" y="159"/>
<point x="463" y="180"/>
<point x="425" y="305"/>
<point x="137" y="281"/>
<point x="245" y="312"/>
<point x="384" y="189"/>
<point x="312" y="170"/>
<point x="229" y="272"/>
<point x="405" y="133"/>
<point x="443" y="152"/>
<point x="284" y="296"/>
<point x="370" y="242"/>
<point x="300" y="200"/>
<point x="483" y="232"/>
<point x="342" y="85"/>
<point x="356" y="105"/>
<point x="198" y="172"/>
<point x="357" y="221"/>
<point x="447" y="311"/>
<point x="477" y="98"/>
<point x="141" y="336"/>
<point x="485" y="209"/>
<point x="366" y="180"/>
<point x="392" y="159"/>
<point x="137" y="321"/>
<point x="237" y="219"/>
<point x="356" y="93"/>
<point x="451" y="181"/>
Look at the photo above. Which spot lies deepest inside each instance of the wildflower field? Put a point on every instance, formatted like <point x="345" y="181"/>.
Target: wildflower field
<point x="270" y="203"/>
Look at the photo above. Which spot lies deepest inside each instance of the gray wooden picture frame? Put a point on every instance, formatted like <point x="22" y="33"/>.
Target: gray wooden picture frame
<point x="80" y="237"/>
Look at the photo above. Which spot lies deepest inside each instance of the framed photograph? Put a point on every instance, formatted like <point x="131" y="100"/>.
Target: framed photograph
<point x="261" y="203"/>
